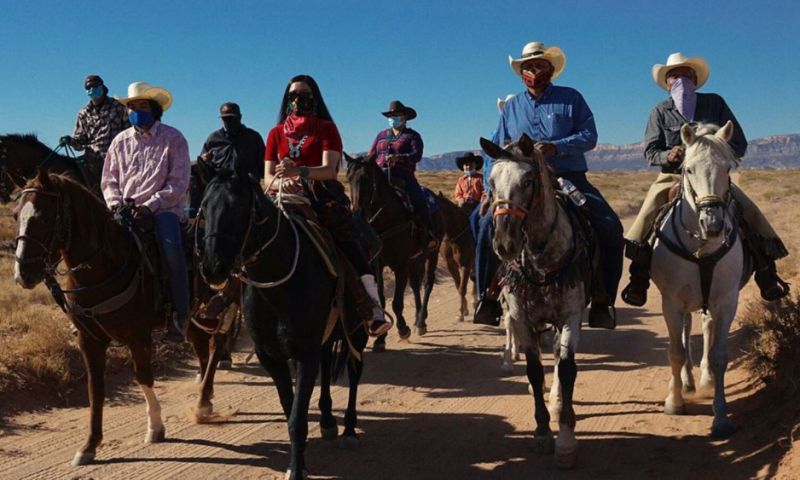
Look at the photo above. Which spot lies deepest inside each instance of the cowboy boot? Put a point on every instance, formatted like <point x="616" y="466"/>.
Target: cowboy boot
<point x="771" y="285"/>
<point x="640" y="253"/>
<point x="489" y="310"/>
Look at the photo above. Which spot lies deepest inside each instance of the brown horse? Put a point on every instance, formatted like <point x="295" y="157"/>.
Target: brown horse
<point x="109" y="293"/>
<point x="458" y="249"/>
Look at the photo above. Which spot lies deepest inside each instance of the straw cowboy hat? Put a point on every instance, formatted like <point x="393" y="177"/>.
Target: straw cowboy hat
<point x="553" y="54"/>
<point x="145" y="91"/>
<point x="469" y="157"/>
<point x="396" y="109"/>
<point x="677" y="59"/>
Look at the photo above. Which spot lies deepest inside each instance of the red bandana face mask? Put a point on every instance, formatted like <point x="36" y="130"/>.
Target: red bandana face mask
<point x="295" y="126"/>
<point x="536" y="82"/>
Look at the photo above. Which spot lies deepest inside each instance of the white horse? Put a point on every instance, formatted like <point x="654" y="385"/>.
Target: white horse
<point x="699" y="264"/>
<point x="536" y="232"/>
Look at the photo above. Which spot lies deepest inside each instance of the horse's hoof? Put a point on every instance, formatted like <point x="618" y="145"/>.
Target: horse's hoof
<point x="349" y="442"/>
<point x="544" y="444"/>
<point x="83" y="458"/>
<point x="565" y="458"/>
<point x="722" y="429"/>
<point x="329" y="433"/>
<point x="460" y="318"/>
<point x="506" y="369"/>
<point x="292" y="476"/>
<point x="422" y="330"/>
<point x="155" y="436"/>
<point x="671" y="408"/>
<point x="378" y="347"/>
<point x="688" y="389"/>
<point x="404" y="333"/>
<point x="225" y="365"/>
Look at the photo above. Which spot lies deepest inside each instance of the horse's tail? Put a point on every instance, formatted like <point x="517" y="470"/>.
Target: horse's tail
<point x="340" y="355"/>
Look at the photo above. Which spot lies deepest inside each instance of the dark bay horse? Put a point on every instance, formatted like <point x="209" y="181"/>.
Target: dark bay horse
<point x="109" y="294"/>
<point x="458" y="249"/>
<point x="376" y="201"/>
<point x="287" y="298"/>
<point x="22" y="155"/>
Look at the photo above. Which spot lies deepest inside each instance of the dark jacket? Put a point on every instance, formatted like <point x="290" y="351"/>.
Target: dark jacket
<point x="664" y="128"/>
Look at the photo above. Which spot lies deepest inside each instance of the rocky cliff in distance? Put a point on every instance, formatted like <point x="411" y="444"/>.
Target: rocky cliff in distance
<point x="771" y="152"/>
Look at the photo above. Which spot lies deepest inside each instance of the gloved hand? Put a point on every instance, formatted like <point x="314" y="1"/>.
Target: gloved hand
<point x="65" y="140"/>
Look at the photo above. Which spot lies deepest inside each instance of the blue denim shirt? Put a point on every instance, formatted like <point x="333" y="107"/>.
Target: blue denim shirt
<point x="560" y="115"/>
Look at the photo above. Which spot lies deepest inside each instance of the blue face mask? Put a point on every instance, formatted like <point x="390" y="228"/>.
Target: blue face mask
<point x="95" y="92"/>
<point x="396" y="122"/>
<point x="140" y="118"/>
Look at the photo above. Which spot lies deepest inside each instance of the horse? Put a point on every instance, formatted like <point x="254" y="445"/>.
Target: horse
<point x="20" y="157"/>
<point x="458" y="249"/>
<point x="287" y="297"/>
<point x="542" y="239"/>
<point x="374" y="198"/>
<point x="701" y="232"/>
<point x="108" y="295"/>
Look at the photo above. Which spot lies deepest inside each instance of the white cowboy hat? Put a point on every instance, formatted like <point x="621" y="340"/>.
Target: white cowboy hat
<point x="677" y="59"/>
<point x="553" y="54"/>
<point x="145" y="91"/>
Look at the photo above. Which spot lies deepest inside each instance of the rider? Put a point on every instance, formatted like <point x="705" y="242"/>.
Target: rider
<point x="231" y="143"/>
<point x="562" y="125"/>
<point x="681" y="76"/>
<point x="97" y="124"/>
<point x="149" y="163"/>
<point x="469" y="187"/>
<point x="398" y="149"/>
<point x="304" y="150"/>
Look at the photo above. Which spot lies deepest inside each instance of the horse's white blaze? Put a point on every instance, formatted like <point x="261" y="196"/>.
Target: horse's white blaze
<point x="27" y="212"/>
<point x="153" y="409"/>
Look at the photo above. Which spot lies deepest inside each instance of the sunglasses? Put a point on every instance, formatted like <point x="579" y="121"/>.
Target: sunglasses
<point x="295" y="95"/>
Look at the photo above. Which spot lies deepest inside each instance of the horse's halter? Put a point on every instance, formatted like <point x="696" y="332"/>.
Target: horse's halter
<point x="513" y="208"/>
<point x="705" y="202"/>
<point x="60" y="234"/>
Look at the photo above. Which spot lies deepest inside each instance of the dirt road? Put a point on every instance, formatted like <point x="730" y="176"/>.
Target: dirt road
<point x="432" y="408"/>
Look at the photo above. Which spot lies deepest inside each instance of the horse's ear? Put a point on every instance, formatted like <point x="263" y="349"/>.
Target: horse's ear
<point x="525" y="144"/>
<point x="16" y="180"/>
<point x="44" y="178"/>
<point x="492" y="149"/>
<point x="687" y="134"/>
<point x="726" y="132"/>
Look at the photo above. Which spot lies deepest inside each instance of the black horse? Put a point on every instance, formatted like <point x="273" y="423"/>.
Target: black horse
<point x="286" y="317"/>
<point x="375" y="200"/>
<point x="21" y="155"/>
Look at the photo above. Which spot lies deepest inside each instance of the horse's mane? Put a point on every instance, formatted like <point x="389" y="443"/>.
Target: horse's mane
<point x="27" y="139"/>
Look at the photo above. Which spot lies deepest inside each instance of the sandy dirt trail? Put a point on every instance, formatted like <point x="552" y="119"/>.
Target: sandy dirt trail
<point x="432" y="408"/>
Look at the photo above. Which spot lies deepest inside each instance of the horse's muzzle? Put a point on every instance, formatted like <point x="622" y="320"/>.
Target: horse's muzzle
<point x="712" y="221"/>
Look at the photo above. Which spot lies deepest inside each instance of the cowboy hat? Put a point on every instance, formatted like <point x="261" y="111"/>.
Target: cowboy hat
<point x="145" y="91"/>
<point x="469" y="157"/>
<point x="677" y="59"/>
<point x="396" y="109"/>
<point x="532" y="50"/>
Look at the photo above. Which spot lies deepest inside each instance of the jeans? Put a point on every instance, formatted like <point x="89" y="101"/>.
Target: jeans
<point x="486" y="261"/>
<point x="168" y="232"/>
<point x="609" y="232"/>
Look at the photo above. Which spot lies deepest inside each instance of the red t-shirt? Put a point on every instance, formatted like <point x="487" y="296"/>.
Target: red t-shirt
<point x="323" y="136"/>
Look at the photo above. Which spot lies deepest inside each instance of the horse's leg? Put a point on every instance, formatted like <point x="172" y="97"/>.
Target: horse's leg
<point x="430" y="278"/>
<point x="507" y="365"/>
<point x="415" y="273"/>
<point x="675" y="318"/>
<point x="278" y="369"/>
<point x="349" y="439"/>
<point x="204" y="406"/>
<point x="327" y="422"/>
<point x="462" y="291"/>
<point x="400" y="281"/>
<point x="554" y="403"/>
<point x="307" y="370"/>
<point x="706" y="387"/>
<point x="686" y="373"/>
<point x="94" y="357"/>
<point x="542" y="436"/>
<point x="722" y="425"/>
<point x="566" y="443"/>
<point x="379" y="345"/>
<point x="141" y="354"/>
<point x="199" y="341"/>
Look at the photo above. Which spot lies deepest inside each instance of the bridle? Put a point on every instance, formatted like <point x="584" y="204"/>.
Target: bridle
<point x="705" y="202"/>
<point x="63" y="223"/>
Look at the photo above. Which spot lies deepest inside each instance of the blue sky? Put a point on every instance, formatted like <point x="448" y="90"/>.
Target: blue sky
<point x="447" y="59"/>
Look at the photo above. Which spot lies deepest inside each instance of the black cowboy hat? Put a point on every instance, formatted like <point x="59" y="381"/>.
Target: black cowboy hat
<point x="396" y="109"/>
<point x="469" y="157"/>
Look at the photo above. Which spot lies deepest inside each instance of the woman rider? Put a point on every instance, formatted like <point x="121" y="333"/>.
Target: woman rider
<point x="304" y="149"/>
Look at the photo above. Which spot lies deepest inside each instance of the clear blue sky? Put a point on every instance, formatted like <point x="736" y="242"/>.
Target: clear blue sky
<point x="447" y="59"/>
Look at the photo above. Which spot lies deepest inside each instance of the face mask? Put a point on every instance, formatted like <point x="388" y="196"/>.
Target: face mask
<point x="683" y="94"/>
<point x="536" y="81"/>
<point x="140" y="118"/>
<point x="396" y="122"/>
<point x="232" y="125"/>
<point x="470" y="172"/>
<point x="95" y="92"/>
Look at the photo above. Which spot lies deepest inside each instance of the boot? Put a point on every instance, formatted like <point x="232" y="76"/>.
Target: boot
<point x="488" y="312"/>
<point x="640" y="253"/>
<point x="771" y="285"/>
<point x="378" y="326"/>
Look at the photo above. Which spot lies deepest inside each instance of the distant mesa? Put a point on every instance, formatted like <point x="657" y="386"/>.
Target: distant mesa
<point x="771" y="152"/>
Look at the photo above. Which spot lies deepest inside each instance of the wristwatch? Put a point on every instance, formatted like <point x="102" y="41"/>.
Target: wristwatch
<point x="303" y="172"/>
